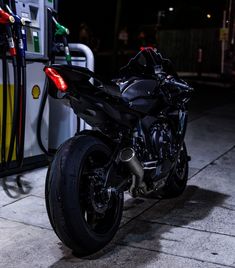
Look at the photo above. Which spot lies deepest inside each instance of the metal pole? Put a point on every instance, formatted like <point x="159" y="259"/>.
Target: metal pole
<point x="230" y="20"/>
<point x="60" y="115"/>
<point x="223" y="44"/>
<point x="232" y="23"/>
<point x="90" y="63"/>
<point x="116" y="28"/>
<point x="88" y="53"/>
<point x="159" y="16"/>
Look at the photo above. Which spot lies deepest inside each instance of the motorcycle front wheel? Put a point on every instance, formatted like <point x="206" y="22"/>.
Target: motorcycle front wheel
<point x="83" y="214"/>
<point x="177" y="181"/>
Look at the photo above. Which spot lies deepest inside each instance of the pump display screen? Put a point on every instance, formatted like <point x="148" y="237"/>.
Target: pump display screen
<point x="35" y="30"/>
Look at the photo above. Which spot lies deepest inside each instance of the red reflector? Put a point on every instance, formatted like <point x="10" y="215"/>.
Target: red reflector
<point x="57" y="79"/>
<point x="143" y="48"/>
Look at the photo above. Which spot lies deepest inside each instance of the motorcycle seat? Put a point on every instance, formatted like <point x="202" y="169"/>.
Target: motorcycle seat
<point x="81" y="73"/>
<point x="111" y="89"/>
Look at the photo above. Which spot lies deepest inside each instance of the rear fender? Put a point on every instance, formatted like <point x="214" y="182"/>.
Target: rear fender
<point x="97" y="134"/>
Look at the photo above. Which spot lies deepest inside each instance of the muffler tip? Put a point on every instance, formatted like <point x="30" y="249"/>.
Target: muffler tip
<point x="127" y="154"/>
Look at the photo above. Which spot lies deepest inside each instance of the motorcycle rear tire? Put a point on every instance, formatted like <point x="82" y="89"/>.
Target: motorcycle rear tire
<point x="66" y="197"/>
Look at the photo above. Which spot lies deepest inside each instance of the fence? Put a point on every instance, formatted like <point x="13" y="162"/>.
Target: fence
<point x="181" y="46"/>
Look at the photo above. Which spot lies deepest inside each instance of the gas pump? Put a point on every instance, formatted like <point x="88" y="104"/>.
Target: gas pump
<point x="25" y="42"/>
<point x="18" y="57"/>
<point x="23" y="23"/>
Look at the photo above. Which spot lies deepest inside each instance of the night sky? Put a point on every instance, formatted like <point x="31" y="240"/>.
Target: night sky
<point x="100" y="15"/>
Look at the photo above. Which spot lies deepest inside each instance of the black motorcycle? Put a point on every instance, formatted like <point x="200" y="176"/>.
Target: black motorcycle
<point x="136" y="144"/>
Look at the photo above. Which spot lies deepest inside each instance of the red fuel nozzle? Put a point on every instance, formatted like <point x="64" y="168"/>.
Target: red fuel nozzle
<point x="11" y="44"/>
<point x="5" y="17"/>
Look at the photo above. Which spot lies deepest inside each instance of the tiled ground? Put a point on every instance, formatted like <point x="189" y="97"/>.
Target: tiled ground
<point x="195" y="230"/>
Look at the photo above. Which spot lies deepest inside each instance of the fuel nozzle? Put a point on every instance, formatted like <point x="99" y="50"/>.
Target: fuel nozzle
<point x="19" y="23"/>
<point x="5" y="18"/>
<point x="17" y="18"/>
<point x="63" y="31"/>
<point x="60" y="29"/>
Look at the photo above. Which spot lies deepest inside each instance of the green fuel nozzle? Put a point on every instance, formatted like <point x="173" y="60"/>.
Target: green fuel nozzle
<point x="60" y="29"/>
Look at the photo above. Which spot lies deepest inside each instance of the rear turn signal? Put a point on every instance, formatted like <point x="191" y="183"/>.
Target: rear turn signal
<point x="57" y="79"/>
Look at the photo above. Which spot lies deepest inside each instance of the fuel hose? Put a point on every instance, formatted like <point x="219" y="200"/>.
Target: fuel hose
<point x="22" y="79"/>
<point x="16" y="96"/>
<point x="8" y="20"/>
<point x="3" y="20"/>
<point x="4" y="103"/>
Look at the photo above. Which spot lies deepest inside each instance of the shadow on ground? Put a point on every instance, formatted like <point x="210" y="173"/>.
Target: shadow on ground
<point x="135" y="236"/>
<point x="15" y="187"/>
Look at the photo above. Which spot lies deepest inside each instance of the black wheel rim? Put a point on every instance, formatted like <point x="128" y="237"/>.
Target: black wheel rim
<point x="90" y="193"/>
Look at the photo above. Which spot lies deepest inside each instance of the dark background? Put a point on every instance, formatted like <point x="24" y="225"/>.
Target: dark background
<point x="178" y="34"/>
<point x="100" y="15"/>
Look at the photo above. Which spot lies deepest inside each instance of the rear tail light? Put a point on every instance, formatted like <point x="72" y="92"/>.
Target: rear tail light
<point x="56" y="78"/>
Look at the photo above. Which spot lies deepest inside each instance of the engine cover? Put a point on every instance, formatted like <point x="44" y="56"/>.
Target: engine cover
<point x="162" y="140"/>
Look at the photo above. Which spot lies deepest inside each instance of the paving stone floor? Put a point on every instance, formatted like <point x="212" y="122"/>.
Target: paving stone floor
<point x="196" y="229"/>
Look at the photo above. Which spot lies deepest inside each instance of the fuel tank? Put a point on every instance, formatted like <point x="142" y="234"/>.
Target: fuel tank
<point x="141" y="94"/>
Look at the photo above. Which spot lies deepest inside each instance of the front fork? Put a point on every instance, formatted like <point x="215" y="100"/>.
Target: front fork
<point x="182" y="125"/>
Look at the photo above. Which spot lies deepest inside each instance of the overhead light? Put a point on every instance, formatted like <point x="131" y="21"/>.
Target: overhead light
<point x="171" y="9"/>
<point x="208" y="16"/>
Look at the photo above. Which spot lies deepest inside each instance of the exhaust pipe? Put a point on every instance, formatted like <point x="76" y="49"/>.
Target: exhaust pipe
<point x="128" y="157"/>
